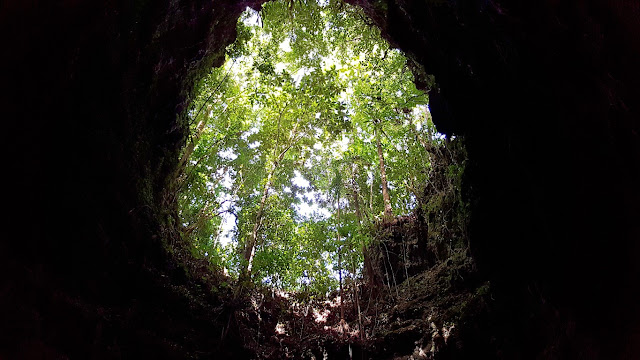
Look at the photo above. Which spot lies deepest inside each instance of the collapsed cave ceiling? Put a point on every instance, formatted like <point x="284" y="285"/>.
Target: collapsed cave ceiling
<point x="546" y="95"/>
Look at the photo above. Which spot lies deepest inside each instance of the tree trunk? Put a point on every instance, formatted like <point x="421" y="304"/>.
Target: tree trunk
<point x="388" y="211"/>
<point x="356" y="296"/>
<point x="371" y="199"/>
<point x="250" y="248"/>
<point x="425" y="143"/>
<point x="370" y="274"/>
<point x="191" y="146"/>
<point x="427" y="146"/>
<point x="340" y="264"/>
<point x="354" y="194"/>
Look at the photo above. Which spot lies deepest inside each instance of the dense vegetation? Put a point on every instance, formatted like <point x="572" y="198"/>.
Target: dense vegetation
<point x="310" y="134"/>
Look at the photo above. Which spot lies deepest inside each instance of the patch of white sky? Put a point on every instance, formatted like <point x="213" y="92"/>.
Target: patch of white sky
<point x="228" y="154"/>
<point x="253" y="130"/>
<point x="254" y="144"/>
<point x="227" y="227"/>
<point x="308" y="208"/>
<point x="226" y="199"/>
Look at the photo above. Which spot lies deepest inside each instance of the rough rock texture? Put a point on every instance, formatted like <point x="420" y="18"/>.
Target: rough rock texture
<point x="410" y="245"/>
<point x="93" y="96"/>
<point x="445" y="312"/>
<point x="547" y="94"/>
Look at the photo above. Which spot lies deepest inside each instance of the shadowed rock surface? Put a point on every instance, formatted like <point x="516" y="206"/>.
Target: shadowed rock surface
<point x="546" y="94"/>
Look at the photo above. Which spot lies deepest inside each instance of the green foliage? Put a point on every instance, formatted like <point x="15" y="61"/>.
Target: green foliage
<point x="442" y="204"/>
<point x="304" y="88"/>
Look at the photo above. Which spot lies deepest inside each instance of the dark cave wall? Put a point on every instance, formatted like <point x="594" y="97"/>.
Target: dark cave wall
<point x="546" y="94"/>
<point x="100" y="91"/>
<point x="92" y="102"/>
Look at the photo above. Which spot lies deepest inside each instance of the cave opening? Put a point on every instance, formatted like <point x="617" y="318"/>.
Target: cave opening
<point x="285" y="135"/>
<point x="314" y="169"/>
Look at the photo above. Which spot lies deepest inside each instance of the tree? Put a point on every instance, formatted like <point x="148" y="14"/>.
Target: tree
<point x="388" y="211"/>
<point x="294" y="100"/>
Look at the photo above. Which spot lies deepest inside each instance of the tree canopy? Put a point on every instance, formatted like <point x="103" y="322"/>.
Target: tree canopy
<point x="312" y="131"/>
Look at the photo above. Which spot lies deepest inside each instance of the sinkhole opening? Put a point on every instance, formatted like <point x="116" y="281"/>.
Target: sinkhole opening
<point x="309" y="139"/>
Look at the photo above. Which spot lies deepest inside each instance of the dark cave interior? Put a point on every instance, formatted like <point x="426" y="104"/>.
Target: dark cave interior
<point x="94" y="100"/>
